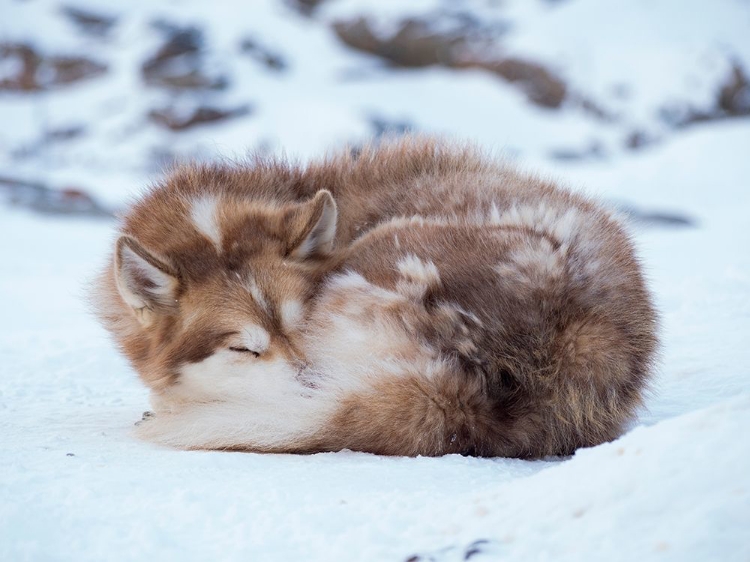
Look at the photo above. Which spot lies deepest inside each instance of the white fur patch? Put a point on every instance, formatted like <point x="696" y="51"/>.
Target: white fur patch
<point x="255" y="338"/>
<point x="227" y="375"/>
<point x="564" y="224"/>
<point x="203" y="215"/>
<point x="494" y="214"/>
<point x="348" y="280"/>
<point x="415" y="220"/>
<point x="537" y="253"/>
<point x="235" y="400"/>
<point x="418" y="271"/>
<point x="257" y="294"/>
<point x="534" y="262"/>
<point x="357" y="334"/>
<point x="291" y="314"/>
<point x="354" y="354"/>
<point x="417" y="277"/>
<point x="359" y="292"/>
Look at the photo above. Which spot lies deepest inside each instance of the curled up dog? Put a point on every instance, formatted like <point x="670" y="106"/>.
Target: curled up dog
<point x="416" y="299"/>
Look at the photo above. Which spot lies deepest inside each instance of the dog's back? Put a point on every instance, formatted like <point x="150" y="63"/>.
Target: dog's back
<point x="530" y="335"/>
<point x="503" y="315"/>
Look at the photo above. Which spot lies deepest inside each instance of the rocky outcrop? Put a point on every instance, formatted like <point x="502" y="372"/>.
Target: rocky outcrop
<point x="29" y="70"/>
<point x="179" y="119"/>
<point x="270" y="59"/>
<point x="540" y="84"/>
<point x="89" y="23"/>
<point x="734" y="95"/>
<point x="179" y="64"/>
<point x="305" y="7"/>
<point x="44" y="199"/>
<point x="417" y="43"/>
<point x="414" y="44"/>
<point x="732" y="100"/>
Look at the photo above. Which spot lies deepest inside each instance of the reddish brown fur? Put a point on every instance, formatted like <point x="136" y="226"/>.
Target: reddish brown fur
<point x="556" y="360"/>
<point x="551" y="367"/>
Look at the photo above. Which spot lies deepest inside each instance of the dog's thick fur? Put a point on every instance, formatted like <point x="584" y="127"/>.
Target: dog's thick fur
<point x="443" y="303"/>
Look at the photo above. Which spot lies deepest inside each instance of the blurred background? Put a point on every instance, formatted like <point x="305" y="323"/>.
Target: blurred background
<point x="97" y="97"/>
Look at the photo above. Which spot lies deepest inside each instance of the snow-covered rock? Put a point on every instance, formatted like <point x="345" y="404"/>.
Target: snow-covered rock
<point x="537" y="79"/>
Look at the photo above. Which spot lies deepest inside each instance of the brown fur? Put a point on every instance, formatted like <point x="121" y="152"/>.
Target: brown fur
<point x="549" y="366"/>
<point x="538" y="323"/>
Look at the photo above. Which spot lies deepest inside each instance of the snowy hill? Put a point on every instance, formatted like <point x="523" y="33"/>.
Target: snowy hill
<point x="100" y="96"/>
<point x="643" y="103"/>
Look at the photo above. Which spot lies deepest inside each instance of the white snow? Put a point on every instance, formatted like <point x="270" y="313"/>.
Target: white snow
<point x="669" y="55"/>
<point x="677" y="487"/>
<point x="76" y="485"/>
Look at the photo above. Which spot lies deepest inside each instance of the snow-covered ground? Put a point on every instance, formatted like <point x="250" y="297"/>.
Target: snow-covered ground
<point x="76" y="485"/>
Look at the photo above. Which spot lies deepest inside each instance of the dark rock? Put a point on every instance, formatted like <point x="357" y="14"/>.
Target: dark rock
<point x="48" y="137"/>
<point x="179" y="120"/>
<point x="305" y="7"/>
<point x="540" y="85"/>
<point x="26" y="60"/>
<point x="90" y="23"/>
<point x="41" y="198"/>
<point x="594" y="151"/>
<point x="413" y="45"/>
<point x="732" y="100"/>
<point x="66" y="70"/>
<point x="35" y="71"/>
<point x="273" y="61"/>
<point x="734" y="95"/>
<point x="384" y="127"/>
<point x="457" y="552"/>
<point x="64" y="133"/>
<point x="477" y="547"/>
<point x="179" y="62"/>
<point x="639" y="139"/>
<point x="654" y="218"/>
<point x="463" y="45"/>
<point x="592" y="108"/>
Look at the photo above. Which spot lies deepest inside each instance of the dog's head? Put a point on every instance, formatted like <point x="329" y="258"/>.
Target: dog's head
<point x="213" y="292"/>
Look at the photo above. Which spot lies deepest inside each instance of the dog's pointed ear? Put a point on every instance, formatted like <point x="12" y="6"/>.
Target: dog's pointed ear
<point x="144" y="281"/>
<point x="313" y="226"/>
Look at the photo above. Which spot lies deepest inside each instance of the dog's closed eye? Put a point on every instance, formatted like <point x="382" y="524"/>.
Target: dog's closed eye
<point x="239" y="349"/>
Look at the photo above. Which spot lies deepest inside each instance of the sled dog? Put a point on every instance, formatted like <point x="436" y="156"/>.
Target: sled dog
<point x="415" y="299"/>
